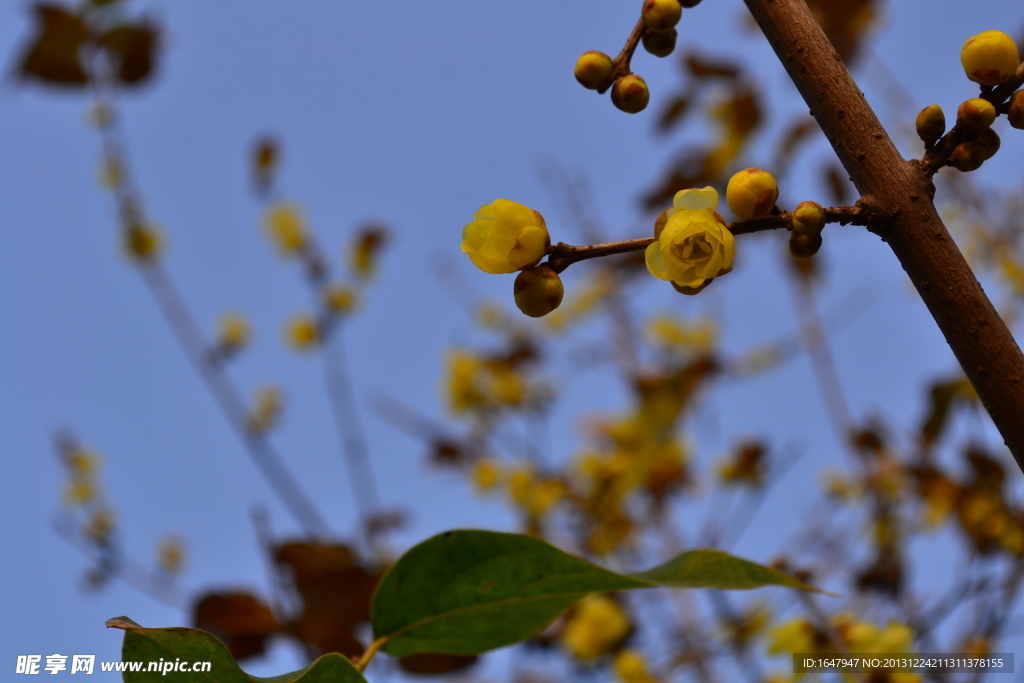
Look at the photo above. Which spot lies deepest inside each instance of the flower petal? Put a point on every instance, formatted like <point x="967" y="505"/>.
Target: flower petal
<point x="696" y="199"/>
<point x="655" y="260"/>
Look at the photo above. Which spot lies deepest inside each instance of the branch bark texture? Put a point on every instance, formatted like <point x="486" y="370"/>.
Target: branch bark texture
<point x="899" y="193"/>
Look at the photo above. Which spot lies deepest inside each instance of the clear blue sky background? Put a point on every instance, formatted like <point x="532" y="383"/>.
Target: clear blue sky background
<point x="416" y="114"/>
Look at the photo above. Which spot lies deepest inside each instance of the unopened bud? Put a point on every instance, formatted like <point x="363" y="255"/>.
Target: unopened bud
<point x="538" y="291"/>
<point x="989" y="142"/>
<point x="660" y="43"/>
<point x="990" y="58"/>
<point x="808" y="218"/>
<point x="690" y="291"/>
<point x="661" y="15"/>
<point x="968" y="156"/>
<point x="931" y="123"/>
<point x="976" y="114"/>
<point x="630" y="94"/>
<point x="802" y="245"/>
<point x="1016" y="113"/>
<point x="592" y="68"/>
<point x="751" y="193"/>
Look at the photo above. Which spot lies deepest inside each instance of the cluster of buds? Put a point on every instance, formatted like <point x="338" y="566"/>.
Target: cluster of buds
<point x="989" y="59"/>
<point x="597" y="71"/>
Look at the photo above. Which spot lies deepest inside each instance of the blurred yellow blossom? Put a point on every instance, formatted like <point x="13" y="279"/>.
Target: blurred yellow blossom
<point x="143" y="243"/>
<point x="233" y="332"/>
<point x="265" y="410"/>
<point x="286" y="226"/>
<point x="339" y="298"/>
<point x="631" y="667"/>
<point x="486" y="475"/>
<point x="595" y="626"/>
<point x="302" y="332"/>
<point x="99" y="526"/>
<point x="674" y="333"/>
<point x="170" y="555"/>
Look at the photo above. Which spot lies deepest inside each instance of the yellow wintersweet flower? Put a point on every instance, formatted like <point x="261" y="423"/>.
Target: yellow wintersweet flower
<point x="596" y="626"/>
<point x="505" y="236"/>
<point x="631" y="667"/>
<point x="142" y="243"/>
<point x="693" y="246"/>
<point x="286" y="225"/>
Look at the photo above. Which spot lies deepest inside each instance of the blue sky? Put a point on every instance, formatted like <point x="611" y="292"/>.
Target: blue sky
<point x="414" y="114"/>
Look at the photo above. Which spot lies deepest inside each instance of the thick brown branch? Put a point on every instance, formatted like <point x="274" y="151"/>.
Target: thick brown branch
<point x="563" y="255"/>
<point x="901" y="191"/>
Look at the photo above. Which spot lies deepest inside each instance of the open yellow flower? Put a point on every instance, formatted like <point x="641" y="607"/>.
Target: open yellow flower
<point x="505" y="236"/>
<point x="693" y="246"/>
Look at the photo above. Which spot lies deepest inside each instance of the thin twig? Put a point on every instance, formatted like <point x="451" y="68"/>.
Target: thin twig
<point x="563" y="255"/>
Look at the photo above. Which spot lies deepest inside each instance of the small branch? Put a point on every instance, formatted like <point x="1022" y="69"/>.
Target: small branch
<point x="620" y="65"/>
<point x="563" y="255"/>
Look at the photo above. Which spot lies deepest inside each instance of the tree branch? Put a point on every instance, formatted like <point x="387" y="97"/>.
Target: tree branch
<point x="563" y="255"/>
<point x="900" y="191"/>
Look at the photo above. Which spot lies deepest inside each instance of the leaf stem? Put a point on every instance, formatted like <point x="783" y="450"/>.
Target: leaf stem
<point x="363" y="660"/>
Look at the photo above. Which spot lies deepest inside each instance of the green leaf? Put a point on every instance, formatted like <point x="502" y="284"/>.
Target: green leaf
<point x="709" y="568"/>
<point x="466" y="592"/>
<point x="192" y="645"/>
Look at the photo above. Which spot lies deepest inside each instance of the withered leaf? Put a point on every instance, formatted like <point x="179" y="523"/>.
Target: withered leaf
<point x="241" y="620"/>
<point x="52" y="56"/>
<point x="132" y="49"/>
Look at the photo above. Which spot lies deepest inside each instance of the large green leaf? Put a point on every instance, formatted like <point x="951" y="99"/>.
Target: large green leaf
<point x="192" y="645"/>
<point x="466" y="592"/>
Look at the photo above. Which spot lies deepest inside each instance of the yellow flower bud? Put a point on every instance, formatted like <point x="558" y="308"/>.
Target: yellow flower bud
<point x="234" y="332"/>
<point x="975" y="114"/>
<point x="808" y="218"/>
<point x="505" y="236"/>
<point x="931" y="123"/>
<point x="143" y="242"/>
<point x="630" y="94"/>
<point x="751" y="194"/>
<point x="661" y="15"/>
<point x="538" y="291"/>
<point x="693" y="246"/>
<point x="990" y="58"/>
<point x="660" y="43"/>
<point x="302" y="332"/>
<point x="1016" y="113"/>
<point x="286" y="226"/>
<point x="339" y="299"/>
<point x="592" y="68"/>
<point x="804" y="245"/>
<point x="968" y="156"/>
<point x="989" y="142"/>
